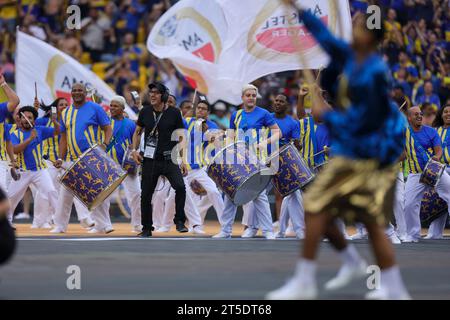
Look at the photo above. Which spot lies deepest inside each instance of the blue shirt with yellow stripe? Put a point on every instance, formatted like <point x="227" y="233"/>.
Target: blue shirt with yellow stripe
<point x="418" y="151"/>
<point x="50" y="145"/>
<point x="31" y="158"/>
<point x="196" y="145"/>
<point x="81" y="126"/>
<point x="250" y="123"/>
<point x="313" y="141"/>
<point x="3" y="114"/>
<point x="123" y="131"/>
<point x="445" y="140"/>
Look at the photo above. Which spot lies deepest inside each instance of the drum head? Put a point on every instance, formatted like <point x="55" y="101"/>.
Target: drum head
<point x="251" y="189"/>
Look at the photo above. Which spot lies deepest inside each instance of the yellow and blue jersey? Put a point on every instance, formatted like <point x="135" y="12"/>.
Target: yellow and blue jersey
<point x="419" y="146"/>
<point x="290" y="129"/>
<point x="81" y="126"/>
<point x="195" y="143"/>
<point x="443" y="134"/>
<point x="249" y="125"/>
<point x="3" y="114"/>
<point x="51" y="145"/>
<point x="123" y="131"/>
<point x="31" y="158"/>
<point x="313" y="138"/>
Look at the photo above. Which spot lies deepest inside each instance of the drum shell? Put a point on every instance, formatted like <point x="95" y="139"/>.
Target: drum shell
<point x="93" y="177"/>
<point x="432" y="207"/>
<point x="432" y="173"/>
<point x="293" y="172"/>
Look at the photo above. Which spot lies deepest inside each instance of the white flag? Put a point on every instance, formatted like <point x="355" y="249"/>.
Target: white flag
<point x="54" y="73"/>
<point x="220" y="45"/>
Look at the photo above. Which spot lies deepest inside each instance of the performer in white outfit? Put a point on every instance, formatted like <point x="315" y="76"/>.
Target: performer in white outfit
<point x="81" y="127"/>
<point x="419" y="140"/>
<point x="123" y="130"/>
<point x="27" y="144"/>
<point x="248" y="122"/>
<point x="5" y="109"/>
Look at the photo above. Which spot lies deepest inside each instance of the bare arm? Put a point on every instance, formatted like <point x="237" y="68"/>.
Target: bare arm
<point x="18" y="148"/>
<point x="301" y="113"/>
<point x="437" y="153"/>
<point x="108" y="133"/>
<point x="10" y="153"/>
<point x="13" y="99"/>
<point x="135" y="144"/>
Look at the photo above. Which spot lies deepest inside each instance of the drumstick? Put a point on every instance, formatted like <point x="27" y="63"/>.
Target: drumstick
<point x="325" y="149"/>
<point x="401" y="107"/>
<point x="35" y="90"/>
<point x="27" y="120"/>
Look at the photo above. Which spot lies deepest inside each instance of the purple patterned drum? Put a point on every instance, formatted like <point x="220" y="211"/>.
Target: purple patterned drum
<point x="128" y="163"/>
<point x="432" y="207"/>
<point x="293" y="172"/>
<point x="432" y="173"/>
<point x="238" y="173"/>
<point x="93" y="177"/>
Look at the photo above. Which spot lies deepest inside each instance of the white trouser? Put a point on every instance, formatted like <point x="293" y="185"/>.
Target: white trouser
<point x="190" y="209"/>
<point x="132" y="188"/>
<point x="292" y="208"/>
<point x="100" y="215"/>
<point x="203" y="205"/>
<point x="158" y="201"/>
<point x="41" y="206"/>
<point x="414" y="191"/>
<point x="213" y="194"/>
<point x="5" y="175"/>
<point x="41" y="181"/>
<point x="399" y="205"/>
<point x="259" y="215"/>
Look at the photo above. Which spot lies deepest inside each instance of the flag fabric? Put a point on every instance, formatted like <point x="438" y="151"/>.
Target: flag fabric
<point x="220" y="45"/>
<point x="54" y="73"/>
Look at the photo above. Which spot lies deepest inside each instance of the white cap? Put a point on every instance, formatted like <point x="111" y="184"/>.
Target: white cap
<point x="220" y="106"/>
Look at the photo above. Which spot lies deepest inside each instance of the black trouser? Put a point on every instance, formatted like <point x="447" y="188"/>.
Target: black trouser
<point x="151" y="171"/>
<point x="7" y="240"/>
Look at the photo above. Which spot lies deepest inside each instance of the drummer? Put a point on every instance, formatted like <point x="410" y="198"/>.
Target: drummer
<point x="80" y="129"/>
<point x="292" y="205"/>
<point x="123" y="130"/>
<point x="27" y="143"/>
<point x="245" y="123"/>
<point x="419" y="140"/>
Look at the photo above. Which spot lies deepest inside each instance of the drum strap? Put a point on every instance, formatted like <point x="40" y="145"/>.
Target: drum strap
<point x="318" y="158"/>
<point x="423" y="153"/>
<point x="116" y="137"/>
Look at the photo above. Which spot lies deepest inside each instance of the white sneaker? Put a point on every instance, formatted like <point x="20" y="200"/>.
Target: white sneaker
<point x="22" y="215"/>
<point x="346" y="274"/>
<point x="42" y="226"/>
<point x="300" y="235"/>
<point x="136" y="229"/>
<point x="162" y="229"/>
<point x="249" y="233"/>
<point x="57" y="230"/>
<point x="359" y="236"/>
<point x="280" y="235"/>
<point x="276" y="224"/>
<point x="87" y="223"/>
<point x="222" y="234"/>
<point x="294" y="290"/>
<point x="198" y="230"/>
<point x="100" y="231"/>
<point x="394" y="239"/>
<point x="429" y="237"/>
<point x="269" y="235"/>
<point x="409" y="239"/>
<point x="290" y="229"/>
<point x="383" y="294"/>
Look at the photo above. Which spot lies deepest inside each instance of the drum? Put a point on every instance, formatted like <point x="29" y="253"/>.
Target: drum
<point x="432" y="207"/>
<point x="198" y="188"/>
<point x="432" y="173"/>
<point x="317" y="169"/>
<point x="238" y="173"/>
<point x="293" y="172"/>
<point x="128" y="163"/>
<point x="93" y="177"/>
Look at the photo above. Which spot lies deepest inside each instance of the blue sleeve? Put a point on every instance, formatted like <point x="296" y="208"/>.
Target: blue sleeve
<point x="367" y="117"/>
<point x="46" y="132"/>
<point x="102" y="117"/>
<point x="6" y="134"/>
<point x="41" y="121"/>
<point x="338" y="50"/>
<point x="3" y="111"/>
<point x="296" y="130"/>
<point x="269" y="120"/>
<point x="233" y="117"/>
<point x="212" y="125"/>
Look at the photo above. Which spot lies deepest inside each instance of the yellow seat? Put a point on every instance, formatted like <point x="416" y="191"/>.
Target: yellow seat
<point x="85" y="58"/>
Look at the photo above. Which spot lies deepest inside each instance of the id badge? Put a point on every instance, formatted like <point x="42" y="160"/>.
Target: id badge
<point x="150" y="147"/>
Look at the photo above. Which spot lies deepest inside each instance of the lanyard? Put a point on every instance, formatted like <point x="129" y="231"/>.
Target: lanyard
<point x="156" y="119"/>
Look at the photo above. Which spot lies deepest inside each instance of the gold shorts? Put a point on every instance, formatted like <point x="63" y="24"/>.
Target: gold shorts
<point x="355" y="190"/>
